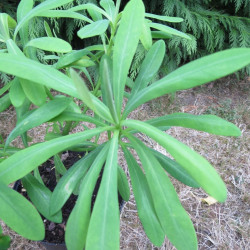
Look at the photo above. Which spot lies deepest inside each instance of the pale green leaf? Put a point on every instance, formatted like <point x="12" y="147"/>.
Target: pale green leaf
<point x="39" y="116"/>
<point x="20" y="215"/>
<point x="94" y="29"/>
<point x="198" y="168"/>
<point x="173" y="218"/>
<point x="198" y="72"/>
<point x="125" y="45"/>
<point x="77" y="225"/>
<point x="53" y="44"/>
<point x="104" y="226"/>
<point x="123" y="186"/>
<point x="24" y="161"/>
<point x="165" y="18"/>
<point x="144" y="201"/>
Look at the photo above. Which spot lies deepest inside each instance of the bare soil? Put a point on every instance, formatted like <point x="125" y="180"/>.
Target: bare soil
<point x="221" y="225"/>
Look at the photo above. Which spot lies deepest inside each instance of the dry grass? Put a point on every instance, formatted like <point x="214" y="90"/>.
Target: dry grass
<point x="219" y="226"/>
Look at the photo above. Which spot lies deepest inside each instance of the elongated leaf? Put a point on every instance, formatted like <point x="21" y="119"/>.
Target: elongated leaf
<point x="71" y="57"/>
<point x="5" y="87"/>
<point x="46" y="5"/>
<point x="107" y="85"/>
<point x="144" y="201"/>
<point x="199" y="168"/>
<point x="109" y="7"/>
<point x="175" y="169"/>
<point x="125" y="45"/>
<point x="160" y="35"/>
<point x="70" y="116"/>
<point x="92" y="8"/>
<point x="40" y="197"/>
<point x="150" y="66"/>
<point x="173" y="218"/>
<point x="198" y="72"/>
<point x="77" y="225"/>
<point x="94" y="29"/>
<point x="23" y="162"/>
<point x="38" y="73"/>
<point x="36" y="93"/>
<point x="168" y="30"/>
<point x="60" y="168"/>
<point x="70" y="180"/>
<point x="208" y="123"/>
<point x="4" y="102"/>
<point x="48" y="30"/>
<point x="20" y="215"/>
<point x="17" y="95"/>
<point x="53" y="44"/>
<point x="4" y="241"/>
<point x="123" y="186"/>
<point x="104" y="226"/>
<point x="24" y="7"/>
<point x="165" y="18"/>
<point x="82" y="89"/>
<point x="146" y="36"/>
<point x="39" y="116"/>
<point x="65" y="14"/>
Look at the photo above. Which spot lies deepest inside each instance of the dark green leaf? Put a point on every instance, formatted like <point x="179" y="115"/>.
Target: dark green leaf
<point x="4" y="102"/>
<point x="123" y="186"/>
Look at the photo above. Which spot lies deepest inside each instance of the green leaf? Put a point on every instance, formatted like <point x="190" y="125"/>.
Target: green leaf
<point x="199" y="168"/>
<point x="77" y="225"/>
<point x="165" y="18"/>
<point x="198" y="72"/>
<point x="123" y="186"/>
<point x="70" y="116"/>
<point x="24" y="161"/>
<point x="149" y="67"/>
<point x="39" y="116"/>
<point x="40" y="197"/>
<point x="36" y="93"/>
<point x="5" y="87"/>
<point x="109" y="7"/>
<point x="106" y="75"/>
<point x="160" y="35"/>
<point x="37" y="73"/>
<point x="168" y="30"/>
<point x="24" y="7"/>
<point x="53" y="44"/>
<point x="64" y="14"/>
<point x="70" y="180"/>
<point x="125" y="45"/>
<point x="17" y="95"/>
<point x="94" y="29"/>
<point x="82" y="89"/>
<point x="104" y="226"/>
<point x="175" y="169"/>
<point x="47" y="29"/>
<point x="6" y="22"/>
<point x="90" y="100"/>
<point x="144" y="201"/>
<point x="4" y="242"/>
<point x="4" y="102"/>
<point x="70" y="58"/>
<point x="146" y="37"/>
<point x="173" y="218"/>
<point x="60" y="168"/>
<point x="208" y="123"/>
<point x="20" y="215"/>
<point x="94" y="11"/>
<point x="46" y="5"/>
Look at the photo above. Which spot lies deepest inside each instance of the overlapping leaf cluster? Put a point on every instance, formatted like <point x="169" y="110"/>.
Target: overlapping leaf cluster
<point x="159" y="208"/>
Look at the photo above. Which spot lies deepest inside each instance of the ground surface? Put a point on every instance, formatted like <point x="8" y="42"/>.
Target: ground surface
<point x="218" y="226"/>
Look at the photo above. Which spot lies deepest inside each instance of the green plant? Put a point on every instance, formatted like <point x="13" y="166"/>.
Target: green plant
<point x="159" y="208"/>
